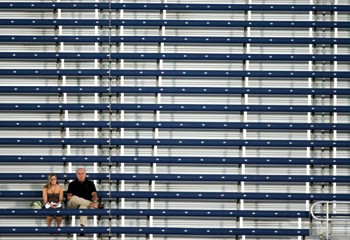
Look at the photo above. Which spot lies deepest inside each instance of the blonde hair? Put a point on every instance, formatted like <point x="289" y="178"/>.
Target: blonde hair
<point x="49" y="178"/>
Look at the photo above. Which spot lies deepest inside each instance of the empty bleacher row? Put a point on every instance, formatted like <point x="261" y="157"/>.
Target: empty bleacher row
<point x="172" y="160"/>
<point x="153" y="212"/>
<point x="172" y="73"/>
<point x="214" y="232"/>
<point x="178" y="90"/>
<point x="167" y="125"/>
<point x="166" y="213"/>
<point x="171" y="23"/>
<point x="171" y="56"/>
<point x="177" y="6"/>
<point x="170" y="107"/>
<point x="171" y="142"/>
<point x="47" y="39"/>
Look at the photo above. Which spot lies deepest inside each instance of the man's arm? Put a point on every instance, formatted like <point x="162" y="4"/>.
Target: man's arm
<point x="94" y="197"/>
<point x="70" y="191"/>
<point x="69" y="195"/>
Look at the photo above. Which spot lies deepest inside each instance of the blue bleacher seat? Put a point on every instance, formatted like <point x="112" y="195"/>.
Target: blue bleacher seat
<point x="158" y="212"/>
<point x="177" y="6"/>
<point x="172" y="160"/>
<point x="182" y="177"/>
<point x="174" y="90"/>
<point x="174" y="56"/>
<point x="170" y="39"/>
<point x="172" y="125"/>
<point x="173" y="73"/>
<point x="156" y="231"/>
<point x="171" y="107"/>
<point x="195" y="195"/>
<point x="172" y="142"/>
<point x="173" y="23"/>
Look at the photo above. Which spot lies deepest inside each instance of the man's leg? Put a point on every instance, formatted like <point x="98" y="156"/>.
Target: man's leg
<point x="83" y="219"/>
<point x="78" y="202"/>
<point x="81" y="203"/>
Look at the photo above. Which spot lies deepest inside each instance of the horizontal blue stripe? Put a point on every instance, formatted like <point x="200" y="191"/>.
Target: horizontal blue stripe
<point x="173" y="56"/>
<point x="172" y="107"/>
<point x="172" y="39"/>
<point x="195" y="195"/>
<point x="181" y="90"/>
<point x="183" y="177"/>
<point x="173" y="73"/>
<point x="181" y="125"/>
<point x="155" y="230"/>
<point x="172" y="160"/>
<point x="173" y="23"/>
<point x="177" y="6"/>
<point x="172" y="142"/>
<point x="155" y="212"/>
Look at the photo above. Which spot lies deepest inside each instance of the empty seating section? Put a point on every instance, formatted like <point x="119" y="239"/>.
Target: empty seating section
<point x="194" y="120"/>
<point x="178" y="160"/>
<point x="171" y="39"/>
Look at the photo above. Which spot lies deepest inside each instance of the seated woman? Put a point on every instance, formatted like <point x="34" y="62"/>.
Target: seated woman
<point x="52" y="197"/>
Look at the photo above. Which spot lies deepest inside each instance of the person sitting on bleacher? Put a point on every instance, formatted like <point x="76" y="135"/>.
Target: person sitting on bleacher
<point x="52" y="197"/>
<point x="82" y="194"/>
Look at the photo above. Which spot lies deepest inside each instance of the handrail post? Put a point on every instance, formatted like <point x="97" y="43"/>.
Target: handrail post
<point x="327" y="218"/>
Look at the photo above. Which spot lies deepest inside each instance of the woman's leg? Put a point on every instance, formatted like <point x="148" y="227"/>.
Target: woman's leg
<point x="49" y="220"/>
<point x="58" y="220"/>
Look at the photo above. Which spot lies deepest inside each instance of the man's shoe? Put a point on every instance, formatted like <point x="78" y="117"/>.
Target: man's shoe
<point x="96" y="205"/>
<point x="82" y="234"/>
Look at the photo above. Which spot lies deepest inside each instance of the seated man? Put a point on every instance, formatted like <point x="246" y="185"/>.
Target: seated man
<point x="82" y="194"/>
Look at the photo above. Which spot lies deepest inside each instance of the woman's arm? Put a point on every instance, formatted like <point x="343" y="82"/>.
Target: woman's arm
<point x="45" y="195"/>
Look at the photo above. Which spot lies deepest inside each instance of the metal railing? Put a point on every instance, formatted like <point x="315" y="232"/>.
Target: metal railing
<point x="331" y="211"/>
